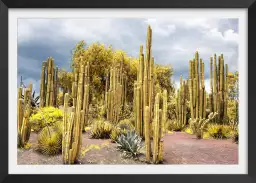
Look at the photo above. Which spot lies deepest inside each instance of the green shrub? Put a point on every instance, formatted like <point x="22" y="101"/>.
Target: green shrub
<point x="199" y="126"/>
<point x="125" y="124"/>
<point x="46" y="116"/>
<point x="49" y="141"/>
<point x="189" y="130"/>
<point x="95" y="111"/>
<point x="235" y="136"/>
<point x="126" y="113"/>
<point x="130" y="144"/>
<point x="175" y="126"/>
<point x="115" y="134"/>
<point x="218" y="131"/>
<point x="101" y="129"/>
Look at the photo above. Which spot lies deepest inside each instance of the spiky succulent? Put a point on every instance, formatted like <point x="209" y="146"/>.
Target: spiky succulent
<point x="125" y="124"/>
<point x="101" y="129"/>
<point x="130" y="144"/>
<point x="34" y="100"/>
<point x="49" y="141"/>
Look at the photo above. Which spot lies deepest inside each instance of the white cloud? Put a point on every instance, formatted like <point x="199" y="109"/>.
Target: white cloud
<point x="174" y="40"/>
<point x="160" y="27"/>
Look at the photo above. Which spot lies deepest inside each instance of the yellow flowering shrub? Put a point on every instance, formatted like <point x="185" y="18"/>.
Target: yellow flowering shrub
<point x="46" y="116"/>
<point x="218" y="131"/>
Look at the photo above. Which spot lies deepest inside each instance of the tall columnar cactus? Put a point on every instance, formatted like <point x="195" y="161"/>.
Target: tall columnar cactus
<point x="157" y="132"/>
<point x="56" y="87"/>
<point x="114" y="95"/>
<point x="86" y="95"/>
<point x="181" y="100"/>
<point x="147" y="133"/>
<point x="24" y="111"/>
<point x="219" y="89"/>
<point x="164" y="113"/>
<point x="73" y="126"/>
<point x="49" y="84"/>
<point x="42" y="85"/>
<point x="197" y="88"/>
<point x="143" y="92"/>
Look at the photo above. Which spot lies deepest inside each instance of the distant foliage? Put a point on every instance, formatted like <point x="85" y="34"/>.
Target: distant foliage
<point x="233" y="85"/>
<point x="102" y="57"/>
<point x="65" y="80"/>
<point x="126" y="113"/>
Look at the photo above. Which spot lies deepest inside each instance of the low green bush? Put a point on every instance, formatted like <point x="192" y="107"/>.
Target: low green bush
<point x="218" y="131"/>
<point x="101" y="129"/>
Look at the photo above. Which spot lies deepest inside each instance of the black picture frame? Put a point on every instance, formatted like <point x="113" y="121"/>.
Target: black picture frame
<point x="6" y="4"/>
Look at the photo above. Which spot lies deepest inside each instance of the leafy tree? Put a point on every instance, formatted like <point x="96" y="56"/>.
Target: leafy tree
<point x="65" y="80"/>
<point x="233" y="85"/>
<point x="233" y="97"/>
<point x="102" y="57"/>
<point x="77" y="52"/>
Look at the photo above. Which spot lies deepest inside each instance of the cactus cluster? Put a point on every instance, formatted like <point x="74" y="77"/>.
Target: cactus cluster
<point x="115" y="93"/>
<point x="24" y="112"/>
<point x="219" y="87"/>
<point x="181" y="103"/>
<point x="158" y="126"/>
<point x="143" y="87"/>
<point x="148" y="115"/>
<point x="198" y="98"/>
<point x="74" y="125"/>
<point x="49" y="84"/>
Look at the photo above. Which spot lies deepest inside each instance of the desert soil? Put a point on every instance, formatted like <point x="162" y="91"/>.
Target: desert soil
<point x="179" y="148"/>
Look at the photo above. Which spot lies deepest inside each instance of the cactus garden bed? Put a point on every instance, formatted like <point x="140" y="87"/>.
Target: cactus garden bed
<point x="179" y="148"/>
<point x="95" y="151"/>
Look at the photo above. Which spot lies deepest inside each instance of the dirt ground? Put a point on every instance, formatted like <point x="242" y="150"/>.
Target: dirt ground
<point x="179" y="148"/>
<point x="183" y="148"/>
<point x="102" y="151"/>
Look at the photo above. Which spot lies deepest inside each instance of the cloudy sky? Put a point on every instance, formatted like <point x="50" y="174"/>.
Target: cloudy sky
<point x="174" y="41"/>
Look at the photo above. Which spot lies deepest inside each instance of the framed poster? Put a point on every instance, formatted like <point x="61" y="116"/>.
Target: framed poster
<point x="126" y="88"/>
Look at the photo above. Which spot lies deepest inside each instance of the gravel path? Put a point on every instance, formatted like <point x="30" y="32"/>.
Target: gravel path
<point x="183" y="148"/>
<point x="179" y="148"/>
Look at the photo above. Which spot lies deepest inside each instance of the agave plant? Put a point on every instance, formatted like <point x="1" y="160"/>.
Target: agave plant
<point x="130" y="144"/>
<point x="34" y="100"/>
